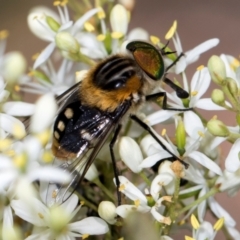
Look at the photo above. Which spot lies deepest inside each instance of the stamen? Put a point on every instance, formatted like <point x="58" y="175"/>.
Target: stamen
<point x="89" y="27"/>
<point x="4" y="34"/>
<point x="164" y="131"/>
<point x="85" y="236"/>
<point x="171" y="31"/>
<point x="234" y="64"/>
<point x="201" y="134"/>
<point x="122" y="187"/>
<point x="101" y="37"/>
<point x="116" y="35"/>
<point x="218" y="225"/>
<point x="137" y="203"/>
<point x="194" y="222"/>
<point x="155" y="40"/>
<point x="40" y="215"/>
<point x="35" y="56"/>
<point x="200" y="67"/>
<point x="194" y="93"/>
<point x="101" y="14"/>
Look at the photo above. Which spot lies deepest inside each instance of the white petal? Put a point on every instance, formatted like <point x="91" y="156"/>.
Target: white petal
<point x="131" y="191"/>
<point x="49" y="174"/>
<point x="221" y="212"/>
<point x="70" y="204"/>
<point x="90" y="46"/>
<point x="44" y="55"/>
<point x="92" y="173"/>
<point x="208" y="104"/>
<point x="201" y="48"/>
<point x="119" y="19"/>
<point x="7" y="217"/>
<point x="90" y="225"/>
<point x="200" y="83"/>
<point x="43" y="117"/>
<point x="158" y="182"/>
<point x="232" y="162"/>
<point x="193" y="124"/>
<point x="4" y="95"/>
<point x="159" y="217"/>
<point x="18" y="108"/>
<point x="205" y="231"/>
<point x="234" y="233"/>
<point x="180" y="65"/>
<point x="206" y="162"/>
<point x="30" y="213"/>
<point x="41" y="30"/>
<point x="191" y="189"/>
<point x="78" y="25"/>
<point x="65" y="26"/>
<point x="10" y="124"/>
<point x="201" y="210"/>
<point x="138" y="34"/>
<point x="130" y="153"/>
<point x="159" y="116"/>
<point x="125" y="209"/>
<point x="153" y="159"/>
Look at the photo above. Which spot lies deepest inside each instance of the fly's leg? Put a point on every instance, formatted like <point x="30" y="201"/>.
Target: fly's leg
<point x="155" y="96"/>
<point x="150" y="131"/>
<point x="115" y="170"/>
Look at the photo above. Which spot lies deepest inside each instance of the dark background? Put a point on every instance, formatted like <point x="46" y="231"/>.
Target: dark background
<point x="198" y="20"/>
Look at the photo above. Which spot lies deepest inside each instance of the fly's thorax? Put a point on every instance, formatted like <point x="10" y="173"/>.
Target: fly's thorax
<point x="112" y="82"/>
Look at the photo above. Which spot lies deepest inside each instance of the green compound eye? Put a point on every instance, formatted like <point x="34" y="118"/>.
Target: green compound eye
<point x="148" y="58"/>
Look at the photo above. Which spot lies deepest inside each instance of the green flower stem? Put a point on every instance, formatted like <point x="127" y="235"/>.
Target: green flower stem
<point x="144" y="177"/>
<point x="233" y="137"/>
<point x="104" y="189"/>
<point x="173" y="205"/>
<point x="212" y="192"/>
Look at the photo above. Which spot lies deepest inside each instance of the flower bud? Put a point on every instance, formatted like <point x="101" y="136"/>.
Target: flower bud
<point x="218" y="97"/>
<point x="180" y="137"/>
<point x="52" y="23"/>
<point x="107" y="211"/>
<point x="14" y="65"/>
<point x="232" y="86"/>
<point x="130" y="153"/>
<point x="66" y="42"/>
<point x="217" y="128"/>
<point x="217" y="69"/>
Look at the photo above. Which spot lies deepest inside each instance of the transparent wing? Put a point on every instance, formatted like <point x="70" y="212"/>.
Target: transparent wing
<point x="77" y="167"/>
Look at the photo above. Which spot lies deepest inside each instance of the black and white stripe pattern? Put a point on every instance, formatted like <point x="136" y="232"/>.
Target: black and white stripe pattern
<point x="113" y="73"/>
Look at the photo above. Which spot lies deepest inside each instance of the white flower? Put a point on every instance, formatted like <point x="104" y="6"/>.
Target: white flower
<point x="232" y="67"/>
<point x="199" y="85"/>
<point x="192" y="55"/>
<point x="140" y="202"/>
<point x="57" y="222"/>
<point x="23" y="168"/>
<point x="65" y="26"/>
<point x="191" y="153"/>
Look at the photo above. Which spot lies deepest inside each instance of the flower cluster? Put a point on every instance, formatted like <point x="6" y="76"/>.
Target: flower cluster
<point x="152" y="181"/>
